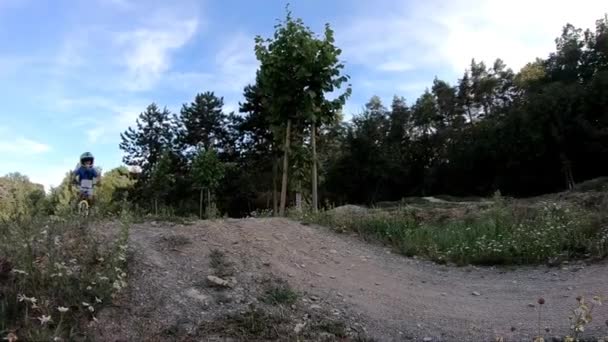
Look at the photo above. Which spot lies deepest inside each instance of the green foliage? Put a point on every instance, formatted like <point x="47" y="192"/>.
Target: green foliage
<point x="20" y="198"/>
<point x="112" y="193"/>
<point x="207" y="170"/>
<point x="503" y="234"/>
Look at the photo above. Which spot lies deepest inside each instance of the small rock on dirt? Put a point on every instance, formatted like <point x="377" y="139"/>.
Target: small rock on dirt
<point x="218" y="281"/>
<point x="531" y="305"/>
<point x="427" y="339"/>
<point x="315" y="307"/>
<point x="299" y="327"/>
<point x="475" y="293"/>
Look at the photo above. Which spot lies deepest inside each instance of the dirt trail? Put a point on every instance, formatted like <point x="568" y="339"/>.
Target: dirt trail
<point x="394" y="297"/>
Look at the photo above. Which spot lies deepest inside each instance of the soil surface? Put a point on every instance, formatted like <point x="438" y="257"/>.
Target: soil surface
<point x="372" y="290"/>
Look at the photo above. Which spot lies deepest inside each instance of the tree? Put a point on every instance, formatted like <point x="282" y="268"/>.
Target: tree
<point x="201" y="124"/>
<point x="296" y="70"/>
<point x="144" y="145"/>
<point x="325" y="78"/>
<point x="161" y="179"/>
<point x="260" y="139"/>
<point x="207" y="172"/>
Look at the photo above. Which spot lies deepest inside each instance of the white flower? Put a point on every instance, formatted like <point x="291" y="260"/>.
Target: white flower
<point x="89" y="288"/>
<point x="18" y="271"/>
<point x="97" y="300"/>
<point x="62" y="309"/>
<point x="86" y="304"/>
<point x="91" y="308"/>
<point x="21" y="297"/>
<point x="44" y="319"/>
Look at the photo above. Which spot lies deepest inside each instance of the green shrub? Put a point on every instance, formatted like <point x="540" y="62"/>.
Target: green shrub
<point x="503" y="234"/>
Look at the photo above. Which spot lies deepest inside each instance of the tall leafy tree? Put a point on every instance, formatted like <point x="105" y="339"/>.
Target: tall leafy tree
<point x="207" y="172"/>
<point x="296" y="71"/>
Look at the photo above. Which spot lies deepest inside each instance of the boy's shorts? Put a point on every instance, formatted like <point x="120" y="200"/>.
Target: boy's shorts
<point x="86" y="188"/>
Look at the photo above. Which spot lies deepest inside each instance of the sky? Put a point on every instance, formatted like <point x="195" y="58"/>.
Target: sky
<point x="75" y="74"/>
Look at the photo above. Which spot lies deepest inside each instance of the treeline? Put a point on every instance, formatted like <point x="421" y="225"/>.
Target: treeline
<point x="524" y="133"/>
<point x="22" y="199"/>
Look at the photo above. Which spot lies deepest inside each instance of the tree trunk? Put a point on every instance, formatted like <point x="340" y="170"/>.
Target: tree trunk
<point x="155" y="206"/>
<point x="208" y="203"/>
<point x="313" y="139"/>
<point x="567" y="169"/>
<point x="285" y="170"/>
<point x="299" y="197"/>
<point x="200" y="208"/>
<point x="275" y="199"/>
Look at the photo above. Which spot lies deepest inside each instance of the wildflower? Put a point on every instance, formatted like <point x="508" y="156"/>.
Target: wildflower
<point x="97" y="300"/>
<point x="21" y="297"/>
<point x="14" y="270"/>
<point x="91" y="308"/>
<point x="62" y="309"/>
<point x="11" y="337"/>
<point x="86" y="304"/>
<point x="44" y="319"/>
<point x="89" y="288"/>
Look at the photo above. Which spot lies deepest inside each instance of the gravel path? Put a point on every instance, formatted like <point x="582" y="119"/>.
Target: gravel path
<point x="394" y="297"/>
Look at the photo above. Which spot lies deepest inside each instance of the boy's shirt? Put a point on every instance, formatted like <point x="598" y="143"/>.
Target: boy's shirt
<point x="86" y="176"/>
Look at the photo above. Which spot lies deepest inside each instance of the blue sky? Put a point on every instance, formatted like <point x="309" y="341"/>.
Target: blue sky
<point x="74" y="74"/>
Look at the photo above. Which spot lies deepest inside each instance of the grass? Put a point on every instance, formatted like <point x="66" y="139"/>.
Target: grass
<point x="174" y="241"/>
<point x="258" y="323"/>
<point x="504" y="234"/>
<point x="253" y="324"/>
<point x="278" y="292"/>
<point x="55" y="276"/>
<point x="220" y="264"/>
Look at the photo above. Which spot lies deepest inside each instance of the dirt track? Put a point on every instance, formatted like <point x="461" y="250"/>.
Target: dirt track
<point x="394" y="297"/>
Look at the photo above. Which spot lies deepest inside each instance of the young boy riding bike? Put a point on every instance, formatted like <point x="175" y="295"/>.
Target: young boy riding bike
<point x="85" y="176"/>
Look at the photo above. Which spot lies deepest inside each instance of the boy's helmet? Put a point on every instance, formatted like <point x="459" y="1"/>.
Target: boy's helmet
<point x="87" y="157"/>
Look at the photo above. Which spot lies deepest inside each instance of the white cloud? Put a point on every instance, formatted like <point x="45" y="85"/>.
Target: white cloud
<point x="395" y="66"/>
<point x="441" y="32"/>
<point x="23" y="146"/>
<point x="234" y="67"/>
<point x="120" y="119"/>
<point x="147" y="50"/>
